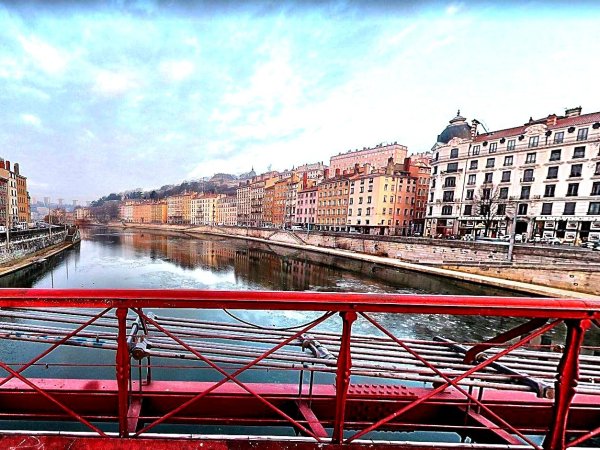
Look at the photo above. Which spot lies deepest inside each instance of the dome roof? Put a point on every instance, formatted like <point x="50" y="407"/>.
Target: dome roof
<point x="458" y="128"/>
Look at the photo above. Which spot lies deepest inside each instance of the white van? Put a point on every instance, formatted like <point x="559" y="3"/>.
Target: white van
<point x="296" y="228"/>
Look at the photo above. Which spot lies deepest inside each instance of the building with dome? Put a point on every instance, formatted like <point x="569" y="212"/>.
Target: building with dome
<point x="543" y="177"/>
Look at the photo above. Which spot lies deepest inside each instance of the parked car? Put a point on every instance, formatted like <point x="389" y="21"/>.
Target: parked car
<point x="552" y="241"/>
<point x="588" y="244"/>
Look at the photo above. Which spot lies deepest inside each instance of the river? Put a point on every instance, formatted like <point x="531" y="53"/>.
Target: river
<point x="123" y="258"/>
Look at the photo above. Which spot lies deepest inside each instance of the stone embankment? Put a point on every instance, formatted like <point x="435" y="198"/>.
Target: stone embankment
<point x="24" y="251"/>
<point x="549" y="271"/>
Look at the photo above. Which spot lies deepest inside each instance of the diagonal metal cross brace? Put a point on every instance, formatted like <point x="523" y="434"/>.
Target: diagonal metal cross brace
<point x="453" y="382"/>
<point x="42" y="392"/>
<point x="55" y="345"/>
<point x="231" y="377"/>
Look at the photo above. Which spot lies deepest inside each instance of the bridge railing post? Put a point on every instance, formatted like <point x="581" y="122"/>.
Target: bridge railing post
<point x="123" y="371"/>
<point x="342" y="378"/>
<point x="566" y="381"/>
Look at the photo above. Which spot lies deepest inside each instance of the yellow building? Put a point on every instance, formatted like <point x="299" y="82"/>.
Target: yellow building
<point x="203" y="209"/>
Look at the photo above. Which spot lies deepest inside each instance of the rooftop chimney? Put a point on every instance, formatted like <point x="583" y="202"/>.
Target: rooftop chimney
<point x="2" y="164"/>
<point x="573" y="112"/>
<point x="551" y="120"/>
<point x="16" y="168"/>
<point x="326" y="173"/>
<point x="474" y="124"/>
<point x="8" y="165"/>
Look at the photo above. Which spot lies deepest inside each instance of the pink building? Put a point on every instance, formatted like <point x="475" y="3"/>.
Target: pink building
<point x="377" y="157"/>
<point x="306" y="208"/>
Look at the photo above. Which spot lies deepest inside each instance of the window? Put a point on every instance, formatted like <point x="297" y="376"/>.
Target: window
<point x="350" y="212"/>
<point x="547" y="209"/>
<point x="508" y="160"/>
<point x="594" y="209"/>
<point x="549" y="190"/>
<point x="368" y="211"/>
<point x="530" y="158"/>
<point x="576" y="170"/>
<point x="552" y="172"/>
<point x="503" y="193"/>
<point x="559" y="137"/>
<point x="522" y="209"/>
<point x="533" y="141"/>
<point x="369" y="199"/>
<point x="579" y="152"/>
<point x="493" y="147"/>
<point x="582" y="134"/>
<point x="569" y="208"/>
<point x="360" y="200"/>
<point x="597" y="171"/>
<point x="452" y="167"/>
<point x="490" y="162"/>
<point x="528" y="176"/>
<point x="454" y="153"/>
<point x="525" y="191"/>
<point x="468" y="210"/>
<point x="486" y="193"/>
<point x="351" y="201"/>
<point x="506" y="176"/>
<point x="469" y="194"/>
<point x="476" y="150"/>
<point x="446" y="210"/>
<point x="435" y="169"/>
<point x="501" y="209"/>
<point x="473" y="165"/>
<point x="573" y="189"/>
<point x="450" y="182"/>
<point x="448" y="196"/>
<point x="488" y="177"/>
<point x="510" y="145"/>
<point x="359" y="212"/>
<point x="471" y="179"/>
<point x="555" y="155"/>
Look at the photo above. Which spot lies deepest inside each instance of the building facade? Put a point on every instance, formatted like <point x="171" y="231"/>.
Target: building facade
<point x="227" y="210"/>
<point x="544" y="175"/>
<point x="377" y="157"/>
<point x="332" y="206"/>
<point x="306" y="209"/>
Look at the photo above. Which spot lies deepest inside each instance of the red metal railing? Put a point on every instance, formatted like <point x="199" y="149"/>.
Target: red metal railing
<point x="493" y="418"/>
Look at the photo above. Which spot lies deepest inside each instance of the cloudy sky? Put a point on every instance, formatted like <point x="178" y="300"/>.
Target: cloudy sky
<point x="98" y="98"/>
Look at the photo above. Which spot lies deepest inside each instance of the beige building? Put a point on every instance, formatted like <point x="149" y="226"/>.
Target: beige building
<point x="377" y="157"/>
<point x="227" y="210"/>
<point x="382" y="201"/>
<point x="179" y="208"/>
<point x="545" y="174"/>
<point x="204" y="209"/>
<point x="243" y="204"/>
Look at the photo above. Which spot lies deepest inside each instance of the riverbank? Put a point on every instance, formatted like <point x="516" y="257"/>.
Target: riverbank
<point x="33" y="258"/>
<point x="292" y="240"/>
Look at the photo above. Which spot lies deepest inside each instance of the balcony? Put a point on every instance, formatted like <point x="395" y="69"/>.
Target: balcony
<point x="527" y="179"/>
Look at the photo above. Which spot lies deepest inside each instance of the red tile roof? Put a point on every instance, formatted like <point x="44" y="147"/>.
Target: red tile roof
<point x="561" y="122"/>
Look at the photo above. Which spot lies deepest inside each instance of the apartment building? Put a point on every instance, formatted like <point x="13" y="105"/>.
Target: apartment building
<point x="543" y="174"/>
<point x="332" y="197"/>
<point x="306" y="208"/>
<point x="203" y="209"/>
<point x="179" y="208"/>
<point x="243" y="204"/>
<point x="377" y="157"/>
<point x="382" y="201"/>
<point x="227" y="210"/>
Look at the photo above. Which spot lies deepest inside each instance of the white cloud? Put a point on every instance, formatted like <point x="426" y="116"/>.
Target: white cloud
<point x="31" y="120"/>
<point x="177" y="70"/>
<point x="114" y="83"/>
<point x="48" y="58"/>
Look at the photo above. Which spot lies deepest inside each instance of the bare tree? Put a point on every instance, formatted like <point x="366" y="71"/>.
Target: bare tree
<point x="489" y="206"/>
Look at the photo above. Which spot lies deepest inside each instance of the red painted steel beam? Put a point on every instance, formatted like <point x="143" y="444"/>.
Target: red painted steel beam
<point x="305" y="301"/>
<point x="313" y="422"/>
<point x="123" y="369"/>
<point x="194" y="443"/>
<point x="568" y="374"/>
<point x="342" y="378"/>
<point x="489" y="432"/>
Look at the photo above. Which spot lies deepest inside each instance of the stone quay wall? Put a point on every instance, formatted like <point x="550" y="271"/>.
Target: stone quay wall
<point x="20" y="248"/>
